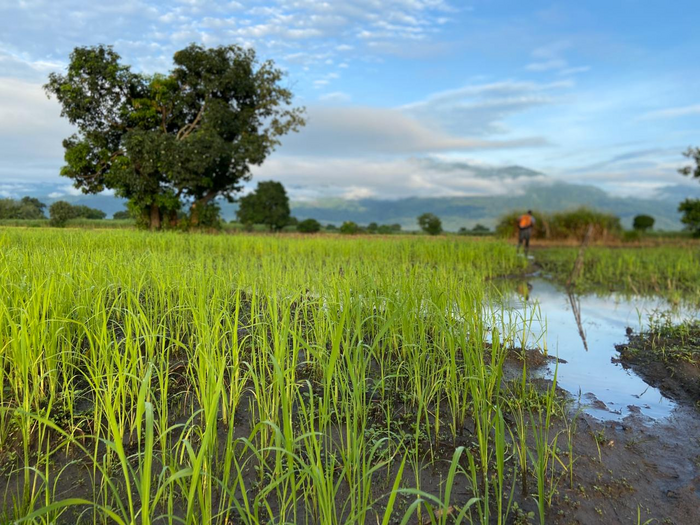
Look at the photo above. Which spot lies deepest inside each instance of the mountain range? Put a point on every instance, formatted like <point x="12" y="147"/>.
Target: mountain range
<point x="531" y="190"/>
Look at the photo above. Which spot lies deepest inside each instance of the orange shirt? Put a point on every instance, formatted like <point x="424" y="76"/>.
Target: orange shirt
<point x="525" y="221"/>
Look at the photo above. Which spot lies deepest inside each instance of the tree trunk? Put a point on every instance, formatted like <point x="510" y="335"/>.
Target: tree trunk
<point x="155" y="217"/>
<point x="197" y="205"/>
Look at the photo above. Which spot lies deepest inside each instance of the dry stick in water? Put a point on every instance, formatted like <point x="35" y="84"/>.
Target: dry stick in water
<point x="578" y="265"/>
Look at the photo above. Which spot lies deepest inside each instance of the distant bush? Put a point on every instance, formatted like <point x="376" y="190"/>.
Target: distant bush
<point x="564" y="225"/>
<point x="331" y="227"/>
<point x="631" y="236"/>
<point x="643" y="223"/>
<point x="480" y="228"/>
<point x="349" y="228"/>
<point x="372" y="227"/>
<point x="309" y="226"/>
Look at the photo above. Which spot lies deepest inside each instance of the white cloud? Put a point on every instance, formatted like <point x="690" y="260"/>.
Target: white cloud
<point x="482" y="109"/>
<point x="336" y="96"/>
<point x="574" y="70"/>
<point x="31" y="132"/>
<point x="365" y="131"/>
<point x="683" y="111"/>
<point x="547" y="65"/>
<point x="310" y="178"/>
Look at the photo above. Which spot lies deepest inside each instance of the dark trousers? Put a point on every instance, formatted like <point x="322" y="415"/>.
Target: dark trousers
<point x="524" y="238"/>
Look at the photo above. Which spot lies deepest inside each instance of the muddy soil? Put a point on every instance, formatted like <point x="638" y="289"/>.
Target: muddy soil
<point x="668" y="359"/>
<point x="634" y="467"/>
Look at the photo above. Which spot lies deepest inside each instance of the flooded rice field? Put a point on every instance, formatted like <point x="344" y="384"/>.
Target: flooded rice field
<point x="582" y="331"/>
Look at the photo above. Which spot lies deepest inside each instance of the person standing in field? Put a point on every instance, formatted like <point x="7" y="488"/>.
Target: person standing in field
<point x="525" y="225"/>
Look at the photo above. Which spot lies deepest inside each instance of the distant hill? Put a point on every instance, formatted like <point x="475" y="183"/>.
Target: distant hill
<point x="536" y="191"/>
<point x="456" y="212"/>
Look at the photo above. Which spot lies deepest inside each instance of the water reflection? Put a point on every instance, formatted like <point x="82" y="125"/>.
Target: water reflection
<point x="583" y="331"/>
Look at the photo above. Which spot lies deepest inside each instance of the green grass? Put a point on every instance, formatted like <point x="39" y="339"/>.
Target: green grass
<point x="72" y="223"/>
<point x="242" y="379"/>
<point x="670" y="271"/>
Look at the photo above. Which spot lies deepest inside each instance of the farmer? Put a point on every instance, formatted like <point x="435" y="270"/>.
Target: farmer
<point x="525" y="224"/>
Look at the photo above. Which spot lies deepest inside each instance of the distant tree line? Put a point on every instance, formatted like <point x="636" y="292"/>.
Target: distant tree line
<point x="27" y="208"/>
<point x="31" y="208"/>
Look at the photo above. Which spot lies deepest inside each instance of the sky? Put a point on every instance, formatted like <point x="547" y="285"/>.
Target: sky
<point x="396" y="91"/>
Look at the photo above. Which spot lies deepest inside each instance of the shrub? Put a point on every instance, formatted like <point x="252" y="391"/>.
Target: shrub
<point x="643" y="223"/>
<point x="309" y="226"/>
<point x="631" y="236"/>
<point x="372" y="227"/>
<point x="349" y="228"/>
<point x="564" y="225"/>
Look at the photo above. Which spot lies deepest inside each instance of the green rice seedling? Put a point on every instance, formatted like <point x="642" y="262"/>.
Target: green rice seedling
<point x="239" y="378"/>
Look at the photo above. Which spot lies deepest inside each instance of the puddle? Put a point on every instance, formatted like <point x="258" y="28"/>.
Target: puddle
<point x="588" y="344"/>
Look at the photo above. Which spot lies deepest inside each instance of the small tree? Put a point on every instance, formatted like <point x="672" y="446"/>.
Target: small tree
<point x="268" y="205"/>
<point x="643" y="223"/>
<point x="349" y="228"/>
<point x="372" y="227"/>
<point x="480" y="228"/>
<point x="430" y="224"/>
<point x="331" y="227"/>
<point x="60" y="212"/>
<point x="690" y="208"/>
<point x="309" y="226"/>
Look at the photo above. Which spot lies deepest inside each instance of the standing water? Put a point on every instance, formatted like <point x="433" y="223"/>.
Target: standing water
<point x="583" y="331"/>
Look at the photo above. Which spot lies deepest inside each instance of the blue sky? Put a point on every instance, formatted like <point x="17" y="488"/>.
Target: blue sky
<point x="596" y="92"/>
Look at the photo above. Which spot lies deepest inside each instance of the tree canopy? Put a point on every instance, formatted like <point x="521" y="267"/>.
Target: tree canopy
<point x="26" y="208"/>
<point x="690" y="208"/>
<point x="309" y="226"/>
<point x="643" y="222"/>
<point x="693" y="171"/>
<point x="171" y="142"/>
<point x="268" y="205"/>
<point x="430" y="224"/>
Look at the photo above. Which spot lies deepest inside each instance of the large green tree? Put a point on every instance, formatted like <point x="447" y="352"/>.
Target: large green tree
<point x="268" y="205"/>
<point x="171" y="142"/>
